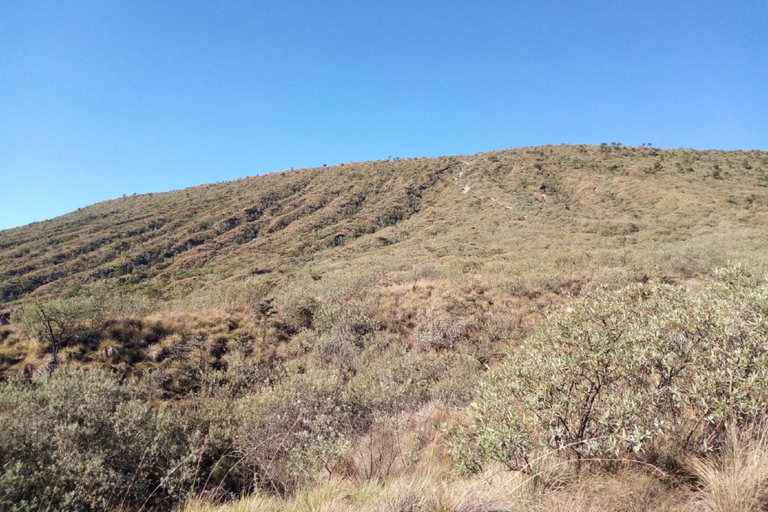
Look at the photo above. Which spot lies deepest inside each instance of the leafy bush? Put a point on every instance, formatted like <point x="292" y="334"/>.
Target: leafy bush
<point x="612" y="373"/>
<point x="286" y="433"/>
<point x="79" y="440"/>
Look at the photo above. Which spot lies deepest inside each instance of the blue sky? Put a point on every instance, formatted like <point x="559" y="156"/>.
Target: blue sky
<point x="100" y="98"/>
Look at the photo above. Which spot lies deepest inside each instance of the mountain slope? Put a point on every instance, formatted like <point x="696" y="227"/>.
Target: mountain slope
<point x="503" y="205"/>
<point x="385" y="323"/>
<point x="272" y="220"/>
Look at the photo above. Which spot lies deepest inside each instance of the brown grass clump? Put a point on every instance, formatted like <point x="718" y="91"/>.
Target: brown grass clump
<point x="627" y="491"/>
<point x="737" y="480"/>
<point x="109" y="350"/>
<point x="500" y="491"/>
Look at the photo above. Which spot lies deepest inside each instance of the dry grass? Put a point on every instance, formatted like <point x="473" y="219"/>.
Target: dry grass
<point x="408" y="219"/>
<point x="627" y="491"/>
<point x="737" y="481"/>
<point x="402" y="494"/>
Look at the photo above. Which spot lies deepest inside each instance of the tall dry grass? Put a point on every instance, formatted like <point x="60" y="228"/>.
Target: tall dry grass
<point x="737" y="481"/>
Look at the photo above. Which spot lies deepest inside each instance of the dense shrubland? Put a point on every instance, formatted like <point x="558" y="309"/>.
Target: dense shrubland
<point x="84" y="440"/>
<point x="269" y="393"/>
<point x="296" y="392"/>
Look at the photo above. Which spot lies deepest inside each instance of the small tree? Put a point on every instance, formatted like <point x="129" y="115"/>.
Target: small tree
<point x="60" y="323"/>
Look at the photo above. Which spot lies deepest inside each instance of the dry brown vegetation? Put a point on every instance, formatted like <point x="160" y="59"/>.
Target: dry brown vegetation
<point x="581" y="208"/>
<point x="340" y="337"/>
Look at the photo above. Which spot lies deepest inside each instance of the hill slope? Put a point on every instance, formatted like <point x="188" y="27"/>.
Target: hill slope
<point x="503" y="206"/>
<point x="398" y="324"/>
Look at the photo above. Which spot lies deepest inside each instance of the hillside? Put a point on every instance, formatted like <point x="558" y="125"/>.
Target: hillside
<point x="550" y="328"/>
<point x="504" y="206"/>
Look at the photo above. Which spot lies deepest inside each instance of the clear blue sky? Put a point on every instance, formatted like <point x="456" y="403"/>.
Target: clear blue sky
<point x="100" y="98"/>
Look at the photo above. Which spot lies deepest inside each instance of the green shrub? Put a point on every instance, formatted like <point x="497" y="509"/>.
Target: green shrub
<point x="610" y="374"/>
<point x="288" y="432"/>
<point x="79" y="440"/>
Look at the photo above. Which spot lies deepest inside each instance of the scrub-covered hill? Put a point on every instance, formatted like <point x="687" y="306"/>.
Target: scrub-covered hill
<point x="504" y="206"/>
<point x="579" y="318"/>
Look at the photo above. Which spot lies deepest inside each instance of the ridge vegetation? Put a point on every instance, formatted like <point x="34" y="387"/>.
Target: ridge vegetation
<point x="557" y="327"/>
